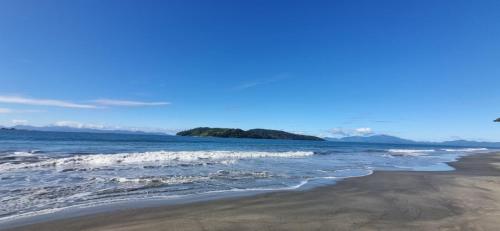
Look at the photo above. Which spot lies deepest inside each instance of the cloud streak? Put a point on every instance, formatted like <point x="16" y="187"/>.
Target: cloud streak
<point x="128" y="103"/>
<point x="259" y="82"/>
<point x="43" y="102"/>
<point x="99" y="103"/>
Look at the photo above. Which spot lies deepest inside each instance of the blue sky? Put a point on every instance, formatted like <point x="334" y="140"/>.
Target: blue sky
<point x="426" y="70"/>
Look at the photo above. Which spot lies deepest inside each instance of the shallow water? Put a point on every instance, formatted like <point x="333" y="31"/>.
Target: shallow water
<point x="42" y="172"/>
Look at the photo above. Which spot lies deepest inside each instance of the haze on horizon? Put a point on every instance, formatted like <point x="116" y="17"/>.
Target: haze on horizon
<point x="422" y="70"/>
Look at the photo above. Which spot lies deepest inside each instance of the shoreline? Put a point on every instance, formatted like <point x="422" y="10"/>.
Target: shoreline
<point x="382" y="200"/>
<point x="114" y="206"/>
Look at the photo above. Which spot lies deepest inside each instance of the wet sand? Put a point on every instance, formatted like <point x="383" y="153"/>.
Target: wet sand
<point x="465" y="199"/>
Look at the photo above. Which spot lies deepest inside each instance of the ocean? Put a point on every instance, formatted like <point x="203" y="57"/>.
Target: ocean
<point x="43" y="172"/>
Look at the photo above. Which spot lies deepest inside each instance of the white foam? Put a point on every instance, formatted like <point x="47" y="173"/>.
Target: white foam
<point x="158" y="158"/>
<point x="292" y="187"/>
<point x="181" y="179"/>
<point x="22" y="154"/>
<point x="29" y="153"/>
<point x="465" y="149"/>
<point x="160" y="180"/>
<point x="410" y="152"/>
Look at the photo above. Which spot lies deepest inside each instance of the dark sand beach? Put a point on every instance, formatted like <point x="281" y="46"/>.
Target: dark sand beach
<point x="465" y="199"/>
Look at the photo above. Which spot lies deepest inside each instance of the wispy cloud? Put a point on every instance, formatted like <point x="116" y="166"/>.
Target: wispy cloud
<point x="99" y="103"/>
<point x="43" y="102"/>
<point x="128" y="103"/>
<point x="258" y="82"/>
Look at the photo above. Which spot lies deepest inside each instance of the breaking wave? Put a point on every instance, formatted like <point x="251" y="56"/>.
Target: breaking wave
<point x="150" y="159"/>
<point x="465" y="149"/>
<point x="410" y="152"/>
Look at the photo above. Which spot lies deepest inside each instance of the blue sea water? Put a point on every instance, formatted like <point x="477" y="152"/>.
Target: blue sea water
<point x="47" y="171"/>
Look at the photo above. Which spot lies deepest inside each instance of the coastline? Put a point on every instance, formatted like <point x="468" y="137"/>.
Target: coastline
<point x="467" y="198"/>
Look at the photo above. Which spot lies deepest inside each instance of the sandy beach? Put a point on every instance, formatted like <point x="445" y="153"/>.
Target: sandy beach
<point x="198" y="115"/>
<point x="465" y="199"/>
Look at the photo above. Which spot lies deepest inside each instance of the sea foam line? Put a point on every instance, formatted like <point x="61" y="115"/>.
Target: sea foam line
<point x="152" y="158"/>
<point x="464" y="149"/>
<point x="410" y="150"/>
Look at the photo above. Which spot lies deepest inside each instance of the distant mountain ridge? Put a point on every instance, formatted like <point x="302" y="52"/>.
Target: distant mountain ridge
<point x="252" y="133"/>
<point x="73" y="129"/>
<point x="373" y="139"/>
<point x="387" y="139"/>
<point x="383" y="139"/>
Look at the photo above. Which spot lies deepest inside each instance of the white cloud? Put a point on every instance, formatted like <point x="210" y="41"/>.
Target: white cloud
<point x="42" y="102"/>
<point x="364" y="131"/>
<point x="74" y="124"/>
<point x="128" y="103"/>
<point x="19" y="122"/>
<point x="66" y="104"/>
<point x="341" y="132"/>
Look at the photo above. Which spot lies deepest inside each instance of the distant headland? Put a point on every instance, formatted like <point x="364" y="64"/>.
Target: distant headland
<point x="252" y="133"/>
<point x="8" y="129"/>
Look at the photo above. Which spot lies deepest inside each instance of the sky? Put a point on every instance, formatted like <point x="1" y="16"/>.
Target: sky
<point x="419" y="69"/>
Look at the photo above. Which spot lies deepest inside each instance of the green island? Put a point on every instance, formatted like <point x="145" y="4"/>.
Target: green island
<point x="252" y="133"/>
